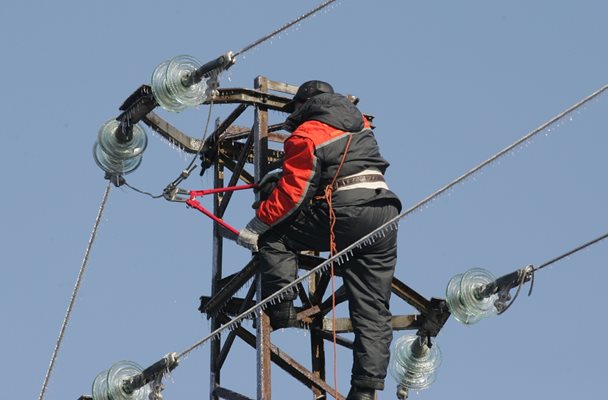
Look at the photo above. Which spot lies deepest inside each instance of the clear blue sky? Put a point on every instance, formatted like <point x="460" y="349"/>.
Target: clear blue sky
<point x="449" y="82"/>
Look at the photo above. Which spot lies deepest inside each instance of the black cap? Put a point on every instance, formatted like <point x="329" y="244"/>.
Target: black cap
<point x="306" y="91"/>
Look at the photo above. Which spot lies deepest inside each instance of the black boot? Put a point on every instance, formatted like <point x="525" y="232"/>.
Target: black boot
<point x="282" y="315"/>
<point x="359" y="393"/>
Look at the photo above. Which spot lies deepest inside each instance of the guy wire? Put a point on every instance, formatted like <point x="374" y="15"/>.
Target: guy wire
<point x="391" y="225"/>
<point x="75" y="291"/>
<point x="284" y="27"/>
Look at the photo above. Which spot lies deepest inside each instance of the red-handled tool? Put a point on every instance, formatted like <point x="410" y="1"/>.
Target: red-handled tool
<point x="193" y="202"/>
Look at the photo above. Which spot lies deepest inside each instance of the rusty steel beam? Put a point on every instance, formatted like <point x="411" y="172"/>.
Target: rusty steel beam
<point x="317" y="347"/>
<point x="411" y="297"/>
<point x="308" y="314"/>
<point x="236" y="174"/>
<point x="224" y="281"/>
<point x="284" y="361"/>
<point x="224" y="393"/>
<point x="223" y="296"/>
<point x="398" y="322"/>
<point x="172" y="134"/>
<point x="322" y="284"/>
<point x="403" y="291"/>
<point x="297" y="370"/>
<point x="347" y="343"/>
<point x="210" y="151"/>
<point x="303" y="296"/>
<point x="216" y="275"/>
<point x="231" y="307"/>
<point x="187" y="143"/>
<point x="232" y="166"/>
<point x="259" y="98"/>
<point x="232" y="149"/>
<point x="260" y="167"/>
<point x="235" y="306"/>
<point x="264" y="354"/>
<point x="215" y="303"/>
<point x="281" y="87"/>
<point x="262" y="98"/>
<point x="232" y="335"/>
<point x="341" y="297"/>
<point x="239" y="132"/>
<point x="236" y="281"/>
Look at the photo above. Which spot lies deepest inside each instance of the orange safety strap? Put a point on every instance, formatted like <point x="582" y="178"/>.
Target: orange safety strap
<point x="327" y="195"/>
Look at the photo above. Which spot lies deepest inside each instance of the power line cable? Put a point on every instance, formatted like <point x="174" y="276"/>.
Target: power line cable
<point x="571" y="252"/>
<point x="503" y="152"/>
<point x="68" y="312"/>
<point x="284" y="27"/>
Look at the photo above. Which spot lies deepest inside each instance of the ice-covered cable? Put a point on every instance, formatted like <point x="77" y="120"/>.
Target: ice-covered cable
<point x="284" y="27"/>
<point x="392" y="224"/>
<point x="68" y="312"/>
<point x="569" y="253"/>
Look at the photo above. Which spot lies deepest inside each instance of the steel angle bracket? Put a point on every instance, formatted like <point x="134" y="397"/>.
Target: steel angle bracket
<point x="140" y="101"/>
<point x="186" y="143"/>
<point x="249" y="96"/>
<point x="152" y="373"/>
<point x="435" y="317"/>
<point x="233" y="149"/>
<point x="134" y="109"/>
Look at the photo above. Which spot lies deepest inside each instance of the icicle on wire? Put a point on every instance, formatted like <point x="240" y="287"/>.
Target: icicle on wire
<point x="75" y="291"/>
<point x="503" y="152"/>
<point x="284" y="27"/>
<point x="390" y="225"/>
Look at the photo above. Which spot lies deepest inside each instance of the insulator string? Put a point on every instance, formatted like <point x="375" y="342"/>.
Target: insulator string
<point x="68" y="312"/>
<point x="391" y="225"/>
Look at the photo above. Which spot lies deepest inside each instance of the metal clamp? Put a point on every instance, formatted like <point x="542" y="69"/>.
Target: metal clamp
<point x="153" y="373"/>
<point x="503" y="285"/>
<point x="174" y="193"/>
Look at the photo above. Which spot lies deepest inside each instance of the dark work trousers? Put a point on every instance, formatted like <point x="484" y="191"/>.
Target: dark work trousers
<point x="367" y="276"/>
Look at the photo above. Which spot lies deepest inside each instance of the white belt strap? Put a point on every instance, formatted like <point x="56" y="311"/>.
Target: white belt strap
<point x="364" y="185"/>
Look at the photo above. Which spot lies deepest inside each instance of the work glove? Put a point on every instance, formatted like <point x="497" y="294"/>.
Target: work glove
<point x="265" y="186"/>
<point x="248" y="236"/>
